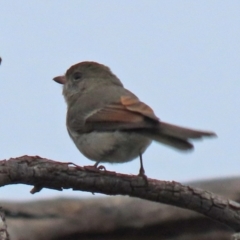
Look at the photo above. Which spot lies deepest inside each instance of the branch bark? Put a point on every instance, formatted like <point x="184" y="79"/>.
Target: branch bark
<point x="45" y="173"/>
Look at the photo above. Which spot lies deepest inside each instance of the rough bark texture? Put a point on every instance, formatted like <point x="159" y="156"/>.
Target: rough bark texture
<point x="115" y="218"/>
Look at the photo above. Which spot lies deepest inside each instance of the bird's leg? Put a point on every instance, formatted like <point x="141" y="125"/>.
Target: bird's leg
<point x="95" y="167"/>
<point x="92" y="168"/>
<point x="101" y="167"/>
<point x="96" y="164"/>
<point x="141" y="170"/>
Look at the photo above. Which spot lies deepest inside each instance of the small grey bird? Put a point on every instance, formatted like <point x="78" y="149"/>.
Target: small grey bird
<point x="108" y="123"/>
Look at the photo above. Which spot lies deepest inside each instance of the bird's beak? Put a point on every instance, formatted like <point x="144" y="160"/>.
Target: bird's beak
<point x="60" y="79"/>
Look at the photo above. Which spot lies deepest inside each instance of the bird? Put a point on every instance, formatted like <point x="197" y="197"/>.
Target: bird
<point x="108" y="123"/>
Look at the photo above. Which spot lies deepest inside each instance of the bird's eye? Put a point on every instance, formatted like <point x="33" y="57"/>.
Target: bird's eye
<point x="77" y="76"/>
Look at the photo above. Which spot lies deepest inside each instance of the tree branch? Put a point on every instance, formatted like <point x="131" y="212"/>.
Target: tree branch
<point x="44" y="173"/>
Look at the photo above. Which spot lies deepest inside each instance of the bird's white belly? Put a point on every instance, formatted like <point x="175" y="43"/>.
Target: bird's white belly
<point x="110" y="146"/>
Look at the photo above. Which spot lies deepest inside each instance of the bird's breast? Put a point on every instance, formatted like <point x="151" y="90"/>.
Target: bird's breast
<point x="111" y="147"/>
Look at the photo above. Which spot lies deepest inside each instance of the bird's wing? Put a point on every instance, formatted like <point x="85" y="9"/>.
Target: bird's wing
<point x="127" y="113"/>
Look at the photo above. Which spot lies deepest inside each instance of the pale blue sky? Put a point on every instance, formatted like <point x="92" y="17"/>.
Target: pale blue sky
<point x="180" y="57"/>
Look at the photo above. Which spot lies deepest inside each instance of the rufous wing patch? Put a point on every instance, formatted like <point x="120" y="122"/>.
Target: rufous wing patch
<point x="114" y="113"/>
<point x="133" y="104"/>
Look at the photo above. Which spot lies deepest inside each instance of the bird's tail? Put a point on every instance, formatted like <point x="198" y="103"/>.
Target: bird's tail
<point x="175" y="136"/>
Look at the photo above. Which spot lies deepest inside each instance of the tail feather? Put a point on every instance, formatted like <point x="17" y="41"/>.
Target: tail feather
<point x="183" y="133"/>
<point x="172" y="141"/>
<point x="175" y="136"/>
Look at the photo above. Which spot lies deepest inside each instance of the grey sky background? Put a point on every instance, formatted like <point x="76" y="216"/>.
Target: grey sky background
<point x="180" y="57"/>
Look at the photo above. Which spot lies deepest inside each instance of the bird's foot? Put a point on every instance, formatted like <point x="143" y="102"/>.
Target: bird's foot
<point x="95" y="168"/>
<point x="143" y="175"/>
